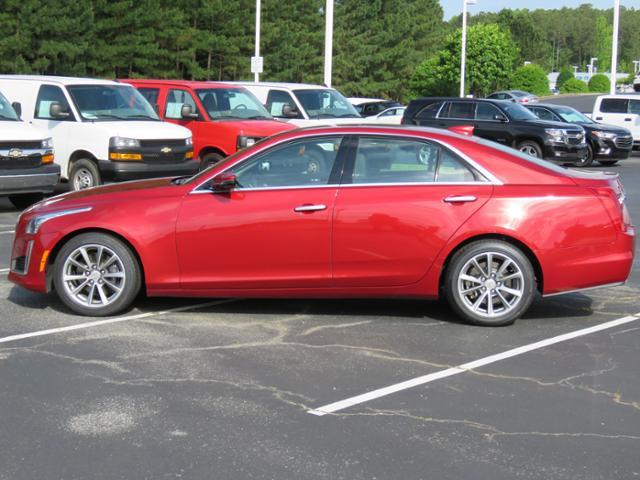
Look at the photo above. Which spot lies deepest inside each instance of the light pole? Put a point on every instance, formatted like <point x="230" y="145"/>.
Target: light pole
<point x="256" y="60"/>
<point x="463" y="53"/>
<point x="614" y="46"/>
<point x="328" y="42"/>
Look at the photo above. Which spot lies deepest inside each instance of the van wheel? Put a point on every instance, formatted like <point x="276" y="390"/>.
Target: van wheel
<point x="530" y="148"/>
<point x="25" y="200"/>
<point x="210" y="159"/>
<point x="586" y="159"/>
<point x="84" y="174"/>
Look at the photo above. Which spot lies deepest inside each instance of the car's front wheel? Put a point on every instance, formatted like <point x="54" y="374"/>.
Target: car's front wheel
<point x="96" y="274"/>
<point x="530" y="147"/>
<point x="490" y="283"/>
<point x="586" y="159"/>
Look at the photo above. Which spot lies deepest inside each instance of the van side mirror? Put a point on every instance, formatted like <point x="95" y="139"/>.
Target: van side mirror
<point x="187" y="112"/>
<point x="223" y="183"/>
<point x="17" y="107"/>
<point x="57" y="112"/>
<point x="289" y="112"/>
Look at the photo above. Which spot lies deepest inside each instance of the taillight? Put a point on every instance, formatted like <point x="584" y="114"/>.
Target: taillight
<point x="613" y="199"/>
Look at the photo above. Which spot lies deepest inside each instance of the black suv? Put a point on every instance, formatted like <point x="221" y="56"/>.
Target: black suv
<point x="605" y="143"/>
<point x="503" y="122"/>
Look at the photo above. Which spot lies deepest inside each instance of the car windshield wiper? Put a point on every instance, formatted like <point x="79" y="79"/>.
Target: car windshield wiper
<point x="140" y="115"/>
<point x="258" y="117"/>
<point x="106" y="115"/>
<point x="224" y="117"/>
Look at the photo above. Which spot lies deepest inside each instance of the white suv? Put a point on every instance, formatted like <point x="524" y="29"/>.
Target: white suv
<point x="620" y="110"/>
<point x="103" y="131"/>
<point x="304" y="105"/>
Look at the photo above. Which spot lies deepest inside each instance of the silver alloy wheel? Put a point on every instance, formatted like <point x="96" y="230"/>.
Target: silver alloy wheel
<point x="529" y="150"/>
<point x="491" y="284"/>
<point x="93" y="276"/>
<point x="82" y="179"/>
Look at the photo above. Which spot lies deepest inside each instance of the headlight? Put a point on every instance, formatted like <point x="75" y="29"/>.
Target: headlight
<point x="47" y="144"/>
<point x="244" y="142"/>
<point x="189" y="141"/>
<point x="558" y="135"/>
<point x="604" y="135"/>
<point x="123" y="142"/>
<point x="36" y="222"/>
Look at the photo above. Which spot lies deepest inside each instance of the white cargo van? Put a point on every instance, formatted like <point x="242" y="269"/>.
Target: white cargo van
<point x="304" y="105"/>
<point x="103" y="131"/>
<point x="620" y="110"/>
<point x="27" y="170"/>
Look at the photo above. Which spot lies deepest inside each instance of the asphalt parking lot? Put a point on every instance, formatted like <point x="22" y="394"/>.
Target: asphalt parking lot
<point x="247" y="389"/>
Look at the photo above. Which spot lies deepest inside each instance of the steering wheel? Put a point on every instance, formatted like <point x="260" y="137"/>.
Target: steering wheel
<point x="240" y="106"/>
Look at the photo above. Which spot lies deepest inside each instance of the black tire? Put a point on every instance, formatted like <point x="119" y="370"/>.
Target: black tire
<point x="210" y="159"/>
<point x="587" y="160"/>
<point x="461" y="304"/>
<point x="607" y="162"/>
<point x="131" y="283"/>
<point x="25" y="200"/>
<point x="530" y="147"/>
<point x="84" y="174"/>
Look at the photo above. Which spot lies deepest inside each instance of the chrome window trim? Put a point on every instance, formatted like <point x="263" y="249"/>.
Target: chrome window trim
<point x="491" y="178"/>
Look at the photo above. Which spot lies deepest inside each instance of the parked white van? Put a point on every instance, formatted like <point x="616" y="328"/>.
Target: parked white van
<point x="620" y="110"/>
<point x="104" y="131"/>
<point x="27" y="170"/>
<point x="304" y="105"/>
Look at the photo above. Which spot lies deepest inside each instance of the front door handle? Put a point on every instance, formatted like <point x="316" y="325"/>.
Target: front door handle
<point x="598" y="118"/>
<point x="310" y="208"/>
<point x="460" y="199"/>
<point x="628" y="119"/>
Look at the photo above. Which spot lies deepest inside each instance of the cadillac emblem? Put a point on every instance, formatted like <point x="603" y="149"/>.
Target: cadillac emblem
<point x="165" y="150"/>
<point x="14" y="153"/>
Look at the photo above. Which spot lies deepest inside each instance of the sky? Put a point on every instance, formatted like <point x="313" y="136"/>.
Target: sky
<point x="454" y="7"/>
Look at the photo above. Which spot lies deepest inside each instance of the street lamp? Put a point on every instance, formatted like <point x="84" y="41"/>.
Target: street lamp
<point x="614" y="47"/>
<point x="256" y="60"/>
<point x="328" y="43"/>
<point x="463" y="54"/>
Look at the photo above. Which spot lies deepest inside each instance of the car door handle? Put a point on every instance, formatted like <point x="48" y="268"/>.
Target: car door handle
<point x="628" y="119"/>
<point x="598" y="118"/>
<point x="310" y="208"/>
<point x="460" y="199"/>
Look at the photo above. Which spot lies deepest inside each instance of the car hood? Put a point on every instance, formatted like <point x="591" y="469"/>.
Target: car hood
<point x="257" y="128"/>
<point x="20" y="131"/>
<point x="603" y="127"/>
<point x="144" y="130"/>
<point x="551" y="124"/>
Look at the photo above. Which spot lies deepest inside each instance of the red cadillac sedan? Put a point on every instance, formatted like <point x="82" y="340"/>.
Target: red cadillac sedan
<point x="334" y="212"/>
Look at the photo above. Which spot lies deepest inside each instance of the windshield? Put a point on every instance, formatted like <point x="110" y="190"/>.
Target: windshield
<point x="325" y="103"/>
<point x="6" y="110"/>
<point x="519" y="93"/>
<point x="571" y="115"/>
<point x="111" y="102"/>
<point x="515" y="111"/>
<point x="232" y="104"/>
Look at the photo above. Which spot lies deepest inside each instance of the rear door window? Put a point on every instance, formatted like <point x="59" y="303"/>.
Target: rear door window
<point x="47" y="95"/>
<point x="634" y="106"/>
<point x="458" y="110"/>
<point x="614" y="105"/>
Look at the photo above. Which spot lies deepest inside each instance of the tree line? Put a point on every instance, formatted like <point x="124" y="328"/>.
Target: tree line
<point x="378" y="44"/>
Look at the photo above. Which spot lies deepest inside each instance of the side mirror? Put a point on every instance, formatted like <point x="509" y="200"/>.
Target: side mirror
<point x="289" y="112"/>
<point x="56" y="111"/>
<point x="500" y="117"/>
<point x="224" y="182"/>
<point x="17" y="108"/>
<point x="462" y="129"/>
<point x="187" y="112"/>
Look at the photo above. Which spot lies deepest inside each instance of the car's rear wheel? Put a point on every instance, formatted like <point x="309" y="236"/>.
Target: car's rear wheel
<point x="25" y="200"/>
<point x="607" y="162"/>
<point x="530" y="147"/>
<point x="84" y="174"/>
<point x="586" y="159"/>
<point x="96" y="274"/>
<point x="490" y="283"/>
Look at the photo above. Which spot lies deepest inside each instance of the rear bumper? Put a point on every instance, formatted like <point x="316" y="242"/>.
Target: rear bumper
<point x="111" y="171"/>
<point x="41" y="179"/>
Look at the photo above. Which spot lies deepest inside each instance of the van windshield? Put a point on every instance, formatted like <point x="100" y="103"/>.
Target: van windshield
<point x="232" y="104"/>
<point x="6" y="110"/>
<point x="325" y="103"/>
<point x="111" y="103"/>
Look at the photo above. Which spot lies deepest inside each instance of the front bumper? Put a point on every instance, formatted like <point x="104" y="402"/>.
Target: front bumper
<point x="564" y="152"/>
<point x="40" y="179"/>
<point x="111" y="171"/>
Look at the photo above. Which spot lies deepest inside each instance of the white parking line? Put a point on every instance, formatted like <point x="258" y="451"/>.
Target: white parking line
<point x="99" y="323"/>
<point x="7" y="232"/>
<point x="414" y="382"/>
<point x="4" y="270"/>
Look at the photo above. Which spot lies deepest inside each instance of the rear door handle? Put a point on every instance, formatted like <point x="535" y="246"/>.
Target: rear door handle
<point x="628" y="119"/>
<point x="310" y="208"/>
<point x="460" y="199"/>
<point x="598" y="118"/>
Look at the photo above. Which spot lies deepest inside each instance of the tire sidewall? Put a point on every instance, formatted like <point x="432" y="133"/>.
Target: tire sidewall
<point x="210" y="159"/>
<point x="89" y="166"/>
<point x="473" y="249"/>
<point x="532" y="144"/>
<point x="133" y="276"/>
<point x="588" y="160"/>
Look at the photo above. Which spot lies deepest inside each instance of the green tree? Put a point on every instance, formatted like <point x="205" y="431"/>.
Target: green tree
<point x="565" y="74"/>
<point x="491" y="55"/>
<point x="573" y="85"/>
<point x="602" y="39"/>
<point x="599" y="83"/>
<point x="531" y="78"/>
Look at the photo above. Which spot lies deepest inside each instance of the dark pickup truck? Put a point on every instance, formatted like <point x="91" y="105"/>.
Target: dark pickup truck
<point x="503" y="122"/>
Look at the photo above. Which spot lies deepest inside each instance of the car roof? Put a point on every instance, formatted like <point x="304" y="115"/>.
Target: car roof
<point x="59" y="80"/>
<point x="292" y="86"/>
<point x="548" y="105"/>
<point x="182" y="83"/>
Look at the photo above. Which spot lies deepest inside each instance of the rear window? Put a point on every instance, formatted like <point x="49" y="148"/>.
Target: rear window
<point x="458" y="110"/>
<point x="430" y="111"/>
<point x="614" y="105"/>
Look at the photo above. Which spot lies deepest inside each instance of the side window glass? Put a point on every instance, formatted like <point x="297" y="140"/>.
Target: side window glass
<point x="429" y="112"/>
<point x="486" y="111"/>
<point x="276" y="99"/>
<point x="175" y="100"/>
<point x="151" y="94"/>
<point x="394" y="160"/>
<point x="544" y="114"/>
<point x="614" y="105"/>
<point x="296" y="164"/>
<point x="460" y="110"/>
<point x="453" y="169"/>
<point x="634" y="106"/>
<point x="47" y="95"/>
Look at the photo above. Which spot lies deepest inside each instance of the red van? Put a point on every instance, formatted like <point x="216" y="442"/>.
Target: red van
<point x="223" y="118"/>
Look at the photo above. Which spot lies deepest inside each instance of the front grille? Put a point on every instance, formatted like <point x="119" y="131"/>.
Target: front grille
<point x="163" y="143"/>
<point x="32" y="161"/>
<point x="23" y="145"/>
<point x="19" y="264"/>
<point x="623" y="142"/>
<point x="575" y="138"/>
<point x="163" y="158"/>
